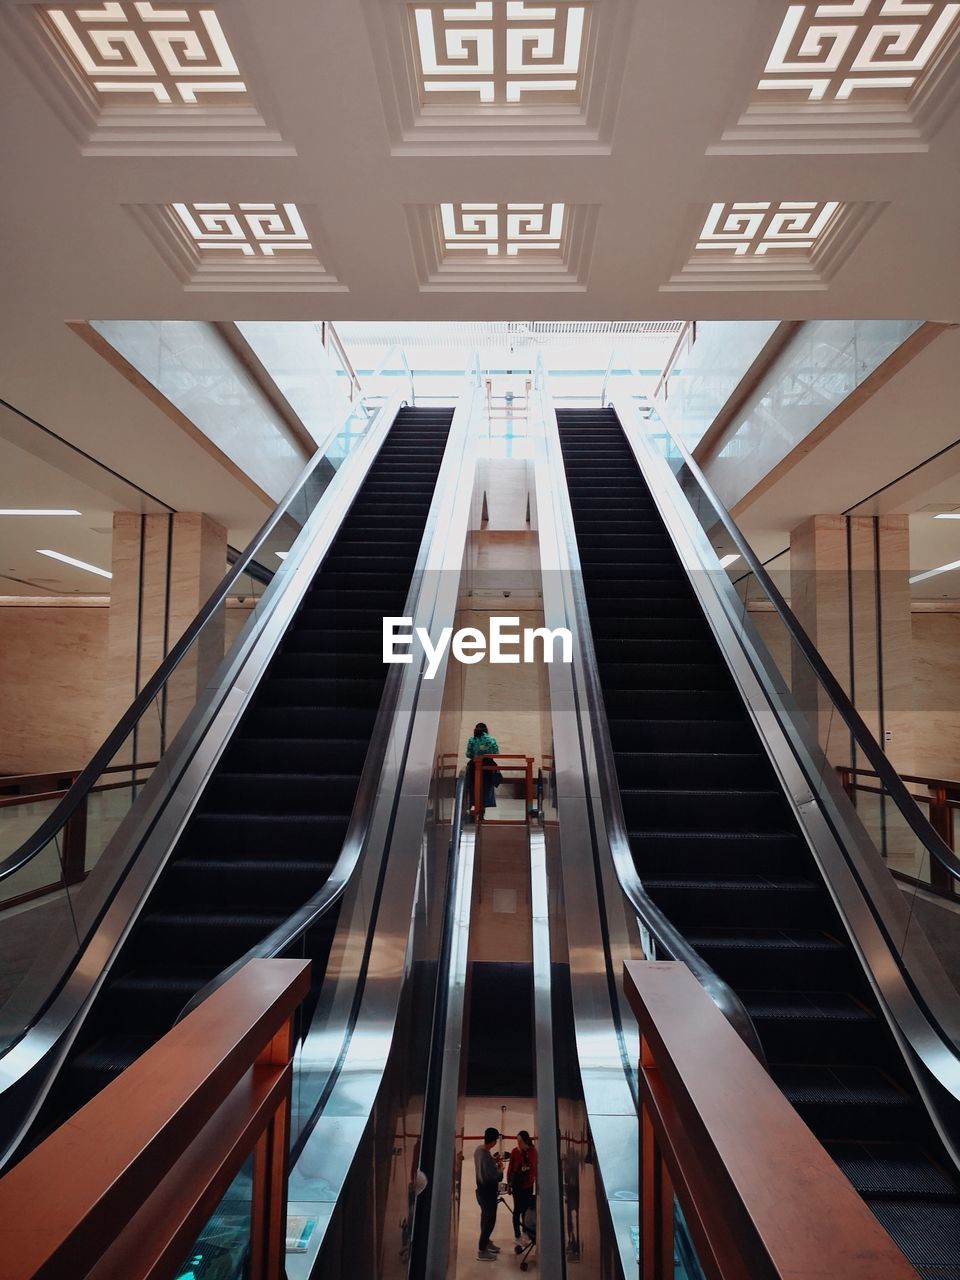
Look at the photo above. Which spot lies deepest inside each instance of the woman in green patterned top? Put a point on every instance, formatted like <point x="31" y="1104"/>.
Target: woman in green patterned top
<point x="481" y="744"/>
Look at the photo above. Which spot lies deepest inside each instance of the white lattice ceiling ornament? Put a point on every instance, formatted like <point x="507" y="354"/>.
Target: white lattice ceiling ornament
<point x="499" y="76"/>
<point x="510" y="230"/>
<point x="140" y="76"/>
<point x="769" y="244"/>
<point x="489" y="53"/>
<point x="508" y="246"/>
<point x="853" y="75"/>
<point x="238" y="246"/>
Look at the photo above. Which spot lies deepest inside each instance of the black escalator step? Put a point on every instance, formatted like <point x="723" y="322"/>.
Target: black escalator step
<point x="600" y="544"/>
<point x="302" y="692"/>
<point x="325" y="603"/>
<point x="343" y="664"/>
<point x="732" y="901"/>
<point x="279" y="883"/>
<point x="309" y="722"/>
<point x="656" y="560"/>
<point x="332" y="615"/>
<point x="787" y="958"/>
<point x="240" y="794"/>
<point x="893" y="1171"/>
<point x="402" y="516"/>
<point x="342" y="562"/>
<point x="202" y="936"/>
<point x="927" y="1233"/>
<point x="364" y="581"/>
<point x="675" y="704"/>
<point x="94" y="1067"/>
<point x="149" y="1001"/>
<point x="681" y="735"/>
<point x="608" y="628"/>
<point x="634" y="605"/>
<point x="827" y="1027"/>
<point x="296" y="755"/>
<point x="718" y="853"/>
<point x="675" y="589"/>
<point x="646" y="649"/>
<point x="335" y="640"/>
<point x="706" y="809"/>
<point x="847" y="1102"/>
<point x="684" y="769"/>
<point x="617" y="521"/>
<point x="358" y="543"/>
<point x="222" y="835"/>
<point x="664" y="675"/>
<point x="640" y="571"/>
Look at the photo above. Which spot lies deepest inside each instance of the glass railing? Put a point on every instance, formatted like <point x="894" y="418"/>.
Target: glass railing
<point x="829" y="735"/>
<point x="71" y="829"/>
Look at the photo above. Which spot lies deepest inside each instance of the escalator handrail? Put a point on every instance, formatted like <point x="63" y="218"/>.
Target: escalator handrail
<point x="891" y="780"/>
<point x="668" y="938"/>
<point x="38" y="840"/>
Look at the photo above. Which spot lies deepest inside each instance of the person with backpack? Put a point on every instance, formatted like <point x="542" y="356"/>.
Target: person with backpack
<point x="480" y="745"/>
<point x="522" y="1178"/>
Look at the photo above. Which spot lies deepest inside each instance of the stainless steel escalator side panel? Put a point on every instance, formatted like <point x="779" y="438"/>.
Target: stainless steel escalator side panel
<point x="605" y="1046"/>
<point x="551" y="1258"/>
<point x="328" y="1153"/>
<point x="144" y="840"/>
<point x="922" y="1012"/>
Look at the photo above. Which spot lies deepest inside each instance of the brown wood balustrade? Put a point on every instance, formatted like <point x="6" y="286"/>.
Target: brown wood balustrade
<point x="501" y="762"/>
<point x="761" y="1198"/>
<point x="35" y="788"/>
<point x="125" y="1186"/>
<point x="941" y="801"/>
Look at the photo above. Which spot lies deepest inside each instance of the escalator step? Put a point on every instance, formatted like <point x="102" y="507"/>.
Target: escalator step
<point x="929" y="1235"/>
<point x="679" y="735"/>
<point x="714" y="902"/>
<point x="718" y="853"/>
<point x="844" y="1103"/>
<point x="296" y="755"/>
<point x="826" y="1027"/>
<point x="685" y="809"/>
<point x="280" y="794"/>
<point x="675" y="704"/>
<point x="257" y="835"/>
<point x="893" y="1171"/>
<point x="138" y="1000"/>
<point x="309" y="722"/>
<point x="664" y="676"/>
<point x="672" y="770"/>
<point x="301" y="692"/>
<point x="788" y="958"/>
<point x="226" y="882"/>
<point x="342" y="664"/>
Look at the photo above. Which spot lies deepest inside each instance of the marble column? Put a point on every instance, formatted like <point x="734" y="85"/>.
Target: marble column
<point x="164" y="569"/>
<point x="849" y="587"/>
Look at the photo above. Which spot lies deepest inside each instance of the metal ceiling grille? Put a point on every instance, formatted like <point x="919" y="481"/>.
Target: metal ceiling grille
<point x="497" y="333"/>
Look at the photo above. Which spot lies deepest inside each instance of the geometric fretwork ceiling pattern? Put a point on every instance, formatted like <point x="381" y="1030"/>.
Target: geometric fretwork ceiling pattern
<point x="852" y="75"/>
<point x="140" y="51"/>
<point x="499" y="53"/>
<point x="488" y="246"/>
<point x="874" y="50"/>
<point x="239" y="246"/>
<point x="765" y="228"/>
<point x="140" y="76"/>
<point x="493" y="77"/>
<point x="502" y="230"/>
<point x="768" y="244"/>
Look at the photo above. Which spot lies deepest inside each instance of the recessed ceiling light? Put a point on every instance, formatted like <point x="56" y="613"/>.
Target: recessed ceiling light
<point x="726" y="561"/>
<point x="948" y="515"/>
<point x="932" y="573"/>
<point x="77" y="564"/>
<point x="38" y="511"/>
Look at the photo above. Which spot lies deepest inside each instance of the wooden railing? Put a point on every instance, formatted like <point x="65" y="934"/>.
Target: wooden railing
<point x="502" y="763"/>
<point x="124" y="1188"/>
<point x="939" y="798"/>
<point x="760" y="1197"/>
<point x="21" y="789"/>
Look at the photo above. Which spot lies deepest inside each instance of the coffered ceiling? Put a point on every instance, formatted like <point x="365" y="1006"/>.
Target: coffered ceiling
<point x="490" y="160"/>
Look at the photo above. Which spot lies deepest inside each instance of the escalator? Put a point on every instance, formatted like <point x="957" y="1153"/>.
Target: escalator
<point x="720" y="852"/>
<point x="268" y="829"/>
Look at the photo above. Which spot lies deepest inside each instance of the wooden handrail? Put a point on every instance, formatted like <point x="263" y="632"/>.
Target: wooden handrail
<point x="124" y="1187"/>
<point x="761" y="1198"/>
<point x="932" y="783"/>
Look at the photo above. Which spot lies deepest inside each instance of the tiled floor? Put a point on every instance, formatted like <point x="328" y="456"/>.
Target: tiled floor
<point x="479" y="1113"/>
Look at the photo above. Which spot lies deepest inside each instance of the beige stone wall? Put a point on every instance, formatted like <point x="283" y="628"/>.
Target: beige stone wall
<point x="52" y="675"/>
<point x="936" y="686"/>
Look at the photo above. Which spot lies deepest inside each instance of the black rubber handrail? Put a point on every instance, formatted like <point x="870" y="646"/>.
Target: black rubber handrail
<point x="88" y="776"/>
<point x="866" y="742"/>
